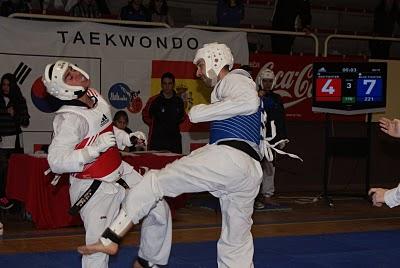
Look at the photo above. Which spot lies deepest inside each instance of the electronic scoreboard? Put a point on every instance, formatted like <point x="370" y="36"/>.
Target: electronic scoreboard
<point x="349" y="87"/>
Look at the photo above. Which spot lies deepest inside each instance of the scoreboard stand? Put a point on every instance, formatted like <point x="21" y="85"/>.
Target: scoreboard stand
<point x="359" y="147"/>
<point x="348" y="88"/>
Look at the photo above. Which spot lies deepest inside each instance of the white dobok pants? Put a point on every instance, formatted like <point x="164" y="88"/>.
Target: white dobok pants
<point x="100" y="211"/>
<point x="268" y="183"/>
<point x="225" y="172"/>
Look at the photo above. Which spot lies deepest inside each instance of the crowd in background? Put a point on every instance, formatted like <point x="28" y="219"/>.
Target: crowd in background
<point x="229" y="13"/>
<point x="287" y="15"/>
<point x="135" y="10"/>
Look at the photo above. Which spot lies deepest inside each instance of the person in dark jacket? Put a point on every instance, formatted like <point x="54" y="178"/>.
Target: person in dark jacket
<point x="163" y="114"/>
<point x="284" y="18"/>
<point x="13" y="115"/>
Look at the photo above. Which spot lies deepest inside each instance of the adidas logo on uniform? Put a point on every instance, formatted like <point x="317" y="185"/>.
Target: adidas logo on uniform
<point x="104" y="120"/>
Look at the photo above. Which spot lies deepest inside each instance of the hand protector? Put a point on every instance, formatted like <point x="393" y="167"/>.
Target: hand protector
<point x="138" y="138"/>
<point x="103" y="142"/>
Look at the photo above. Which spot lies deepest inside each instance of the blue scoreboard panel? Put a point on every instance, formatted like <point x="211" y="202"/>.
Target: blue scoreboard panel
<point x="349" y="88"/>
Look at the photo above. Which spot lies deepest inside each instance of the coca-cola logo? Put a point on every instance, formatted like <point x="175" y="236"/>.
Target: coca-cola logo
<point x="292" y="85"/>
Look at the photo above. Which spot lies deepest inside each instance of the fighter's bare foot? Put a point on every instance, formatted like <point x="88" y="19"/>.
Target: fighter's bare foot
<point x="111" y="249"/>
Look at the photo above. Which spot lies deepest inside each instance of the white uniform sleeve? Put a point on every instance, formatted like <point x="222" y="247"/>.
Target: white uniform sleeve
<point x="234" y="95"/>
<point x="122" y="138"/>
<point x="69" y="130"/>
<point x="392" y="197"/>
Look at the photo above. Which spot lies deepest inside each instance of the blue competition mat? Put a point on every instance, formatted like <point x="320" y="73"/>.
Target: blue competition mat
<point x="366" y="249"/>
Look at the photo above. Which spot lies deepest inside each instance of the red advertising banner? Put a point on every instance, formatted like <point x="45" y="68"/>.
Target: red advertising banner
<point x="294" y="83"/>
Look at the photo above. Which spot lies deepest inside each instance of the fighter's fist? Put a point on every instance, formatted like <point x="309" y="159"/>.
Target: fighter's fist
<point x="378" y="196"/>
<point x="104" y="141"/>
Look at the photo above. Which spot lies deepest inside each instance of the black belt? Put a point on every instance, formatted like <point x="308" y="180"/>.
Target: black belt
<point x="74" y="210"/>
<point x="242" y="146"/>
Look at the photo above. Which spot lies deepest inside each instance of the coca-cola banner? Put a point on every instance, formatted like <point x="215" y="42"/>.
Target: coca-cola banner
<point x="293" y="76"/>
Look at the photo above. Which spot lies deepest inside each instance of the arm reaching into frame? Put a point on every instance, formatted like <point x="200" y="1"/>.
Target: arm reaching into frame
<point x="390" y="127"/>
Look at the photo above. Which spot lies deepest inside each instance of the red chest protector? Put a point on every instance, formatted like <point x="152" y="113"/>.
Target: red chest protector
<point x="107" y="165"/>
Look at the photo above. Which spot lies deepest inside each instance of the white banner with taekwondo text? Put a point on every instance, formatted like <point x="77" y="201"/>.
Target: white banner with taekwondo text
<point x="123" y="63"/>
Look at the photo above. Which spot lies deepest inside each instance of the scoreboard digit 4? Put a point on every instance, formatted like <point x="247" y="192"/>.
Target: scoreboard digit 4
<point x="328" y="89"/>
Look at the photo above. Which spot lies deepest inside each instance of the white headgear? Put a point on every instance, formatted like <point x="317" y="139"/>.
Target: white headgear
<point x="53" y="79"/>
<point x="265" y="74"/>
<point x="216" y="56"/>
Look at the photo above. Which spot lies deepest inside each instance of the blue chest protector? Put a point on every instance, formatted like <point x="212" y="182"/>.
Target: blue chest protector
<point x="240" y="127"/>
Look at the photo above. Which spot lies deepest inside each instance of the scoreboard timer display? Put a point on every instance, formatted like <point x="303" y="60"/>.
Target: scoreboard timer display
<point x="349" y="88"/>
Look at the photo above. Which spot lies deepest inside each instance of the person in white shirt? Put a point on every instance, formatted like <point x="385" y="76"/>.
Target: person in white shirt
<point x="228" y="167"/>
<point x="382" y="196"/>
<point x="85" y="144"/>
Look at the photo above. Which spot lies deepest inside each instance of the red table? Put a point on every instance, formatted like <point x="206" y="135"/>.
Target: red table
<point x="49" y="204"/>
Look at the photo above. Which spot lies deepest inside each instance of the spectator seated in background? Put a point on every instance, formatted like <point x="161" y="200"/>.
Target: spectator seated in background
<point x="13" y="115"/>
<point x="159" y="12"/>
<point x="135" y="10"/>
<point x="103" y="8"/>
<point x="230" y="13"/>
<point x="284" y="19"/>
<point x="121" y="121"/>
<point x="85" y="9"/>
<point x="54" y="6"/>
<point x="9" y="7"/>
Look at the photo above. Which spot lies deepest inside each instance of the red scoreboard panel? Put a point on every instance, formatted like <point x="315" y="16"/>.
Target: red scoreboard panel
<point x="328" y="89"/>
<point x="349" y="87"/>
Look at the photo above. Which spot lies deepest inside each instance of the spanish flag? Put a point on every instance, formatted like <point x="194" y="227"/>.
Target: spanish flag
<point x="187" y="86"/>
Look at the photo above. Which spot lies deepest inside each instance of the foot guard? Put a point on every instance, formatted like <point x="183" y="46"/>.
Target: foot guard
<point x="109" y="234"/>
